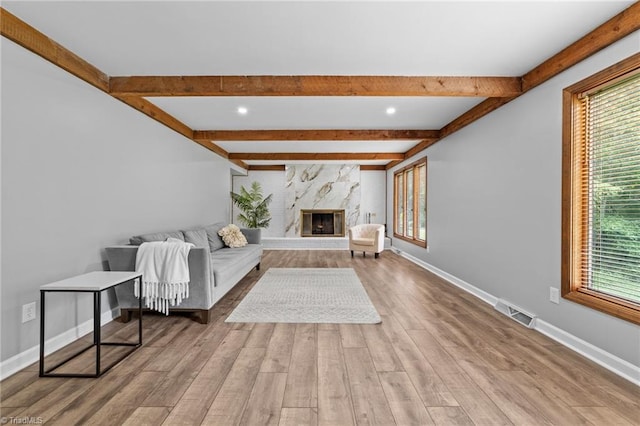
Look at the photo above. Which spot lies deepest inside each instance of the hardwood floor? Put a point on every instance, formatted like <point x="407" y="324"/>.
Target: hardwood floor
<point x="440" y="356"/>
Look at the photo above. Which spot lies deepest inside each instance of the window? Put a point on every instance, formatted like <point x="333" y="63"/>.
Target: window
<point x="601" y="191"/>
<point x="410" y="203"/>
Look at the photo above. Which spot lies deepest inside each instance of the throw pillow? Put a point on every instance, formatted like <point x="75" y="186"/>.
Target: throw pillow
<point x="232" y="236"/>
<point x="215" y="242"/>
<point x="198" y="237"/>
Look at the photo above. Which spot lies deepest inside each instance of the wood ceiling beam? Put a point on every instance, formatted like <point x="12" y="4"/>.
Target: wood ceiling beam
<point x="267" y="167"/>
<point x="18" y="31"/>
<point x="312" y="156"/>
<point x="282" y="167"/>
<point x="616" y="28"/>
<point x="373" y="167"/>
<point x="310" y="85"/>
<point x="478" y="111"/>
<point x="393" y="164"/>
<point x="313" y="135"/>
<point x="162" y="117"/>
<point x="240" y="163"/>
<point x="23" y="34"/>
<point x="424" y="144"/>
<point x="499" y="90"/>
<point x="151" y="110"/>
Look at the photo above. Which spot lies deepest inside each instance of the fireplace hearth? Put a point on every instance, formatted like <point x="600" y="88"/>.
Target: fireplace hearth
<point x="322" y="223"/>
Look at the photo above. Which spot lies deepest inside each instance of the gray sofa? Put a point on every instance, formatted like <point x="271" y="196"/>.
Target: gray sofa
<point x="214" y="268"/>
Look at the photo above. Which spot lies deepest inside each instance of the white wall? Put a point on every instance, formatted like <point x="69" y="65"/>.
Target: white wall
<point x="372" y="199"/>
<point x="494" y="204"/>
<point x="373" y="193"/>
<point x="81" y="171"/>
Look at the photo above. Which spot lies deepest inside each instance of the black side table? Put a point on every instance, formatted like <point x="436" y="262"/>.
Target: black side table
<point x="96" y="283"/>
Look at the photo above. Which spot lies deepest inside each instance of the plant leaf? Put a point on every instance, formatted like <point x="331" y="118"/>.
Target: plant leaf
<point x="255" y="210"/>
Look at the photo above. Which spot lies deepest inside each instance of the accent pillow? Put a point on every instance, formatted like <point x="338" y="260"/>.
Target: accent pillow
<point x="157" y="236"/>
<point x="215" y="242"/>
<point x="198" y="237"/>
<point x="232" y="236"/>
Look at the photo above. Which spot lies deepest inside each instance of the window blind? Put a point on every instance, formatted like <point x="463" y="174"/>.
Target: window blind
<point x="610" y="189"/>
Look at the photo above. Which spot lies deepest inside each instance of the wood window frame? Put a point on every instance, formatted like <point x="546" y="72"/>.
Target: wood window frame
<point x="416" y="189"/>
<point x="574" y="209"/>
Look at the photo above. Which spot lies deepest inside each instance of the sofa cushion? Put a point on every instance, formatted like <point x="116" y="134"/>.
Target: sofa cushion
<point x="215" y="240"/>
<point x="229" y="256"/>
<point x="232" y="236"/>
<point x="197" y="237"/>
<point x="363" y="241"/>
<point x="156" y="236"/>
<point x="253" y="235"/>
<point x="225" y="262"/>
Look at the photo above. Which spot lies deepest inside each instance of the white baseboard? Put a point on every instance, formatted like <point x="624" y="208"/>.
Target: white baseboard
<point x="611" y="362"/>
<point x="480" y="294"/>
<point x="31" y="355"/>
<point x="310" y="243"/>
<point x="607" y="360"/>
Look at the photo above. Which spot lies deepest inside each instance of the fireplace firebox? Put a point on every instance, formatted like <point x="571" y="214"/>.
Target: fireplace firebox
<point x="322" y="223"/>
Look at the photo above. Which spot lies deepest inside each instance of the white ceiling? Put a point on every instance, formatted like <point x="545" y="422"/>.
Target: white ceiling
<point x="505" y="38"/>
<point x="449" y="38"/>
<point x="314" y="112"/>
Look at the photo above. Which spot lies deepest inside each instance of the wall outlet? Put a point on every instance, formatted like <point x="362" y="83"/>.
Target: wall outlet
<point x="29" y="312"/>
<point x="554" y="295"/>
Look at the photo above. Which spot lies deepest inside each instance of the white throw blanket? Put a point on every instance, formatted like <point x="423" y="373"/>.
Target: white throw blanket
<point x="165" y="273"/>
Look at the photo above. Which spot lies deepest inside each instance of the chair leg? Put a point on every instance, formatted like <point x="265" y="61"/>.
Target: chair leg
<point x="364" y="254"/>
<point x="377" y="255"/>
<point x="351" y="253"/>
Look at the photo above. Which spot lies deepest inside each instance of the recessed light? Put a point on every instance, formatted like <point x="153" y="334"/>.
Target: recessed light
<point x="391" y="111"/>
<point x="242" y="110"/>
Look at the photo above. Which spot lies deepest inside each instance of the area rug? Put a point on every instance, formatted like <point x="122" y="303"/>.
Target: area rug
<point x="307" y="295"/>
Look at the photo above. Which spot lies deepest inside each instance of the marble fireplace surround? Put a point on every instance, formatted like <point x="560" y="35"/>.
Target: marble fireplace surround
<point x="321" y="187"/>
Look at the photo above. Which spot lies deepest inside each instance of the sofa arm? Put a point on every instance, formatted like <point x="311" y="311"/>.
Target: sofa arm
<point x="123" y="258"/>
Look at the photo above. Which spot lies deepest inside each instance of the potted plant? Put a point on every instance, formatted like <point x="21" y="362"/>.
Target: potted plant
<point x="254" y="208"/>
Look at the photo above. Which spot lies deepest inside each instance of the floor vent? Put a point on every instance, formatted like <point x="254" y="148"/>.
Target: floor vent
<point x="515" y="313"/>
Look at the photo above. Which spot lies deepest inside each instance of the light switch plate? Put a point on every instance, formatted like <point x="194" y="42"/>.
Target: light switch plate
<point x="29" y="312"/>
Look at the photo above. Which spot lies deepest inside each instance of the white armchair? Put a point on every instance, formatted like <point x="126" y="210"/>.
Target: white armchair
<point x="368" y="237"/>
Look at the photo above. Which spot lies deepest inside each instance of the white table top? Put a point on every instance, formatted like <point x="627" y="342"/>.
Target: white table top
<point x="93" y="281"/>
